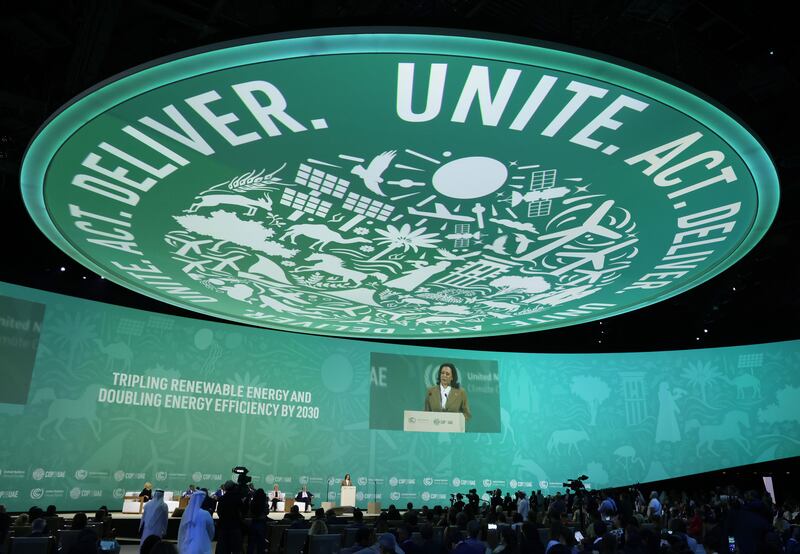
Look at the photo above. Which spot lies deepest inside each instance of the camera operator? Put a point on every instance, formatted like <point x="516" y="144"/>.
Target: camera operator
<point x="230" y="510"/>
<point x="496" y="500"/>
<point x="473" y="500"/>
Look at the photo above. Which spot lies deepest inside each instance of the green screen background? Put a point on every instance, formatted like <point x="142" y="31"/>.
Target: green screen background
<point x="618" y="418"/>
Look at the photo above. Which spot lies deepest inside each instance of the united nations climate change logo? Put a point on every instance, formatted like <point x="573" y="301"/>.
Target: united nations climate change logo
<point x="513" y="483"/>
<point x="81" y="474"/>
<point x="118" y="493"/>
<point x="38" y="474"/>
<point x="160" y="475"/>
<point x="395" y="496"/>
<point x="37" y="493"/>
<point x="466" y="187"/>
<point x="362" y="481"/>
<point x="427" y="481"/>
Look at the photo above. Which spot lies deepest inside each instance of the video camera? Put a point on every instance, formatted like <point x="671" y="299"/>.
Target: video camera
<point x="243" y="479"/>
<point x="575" y="484"/>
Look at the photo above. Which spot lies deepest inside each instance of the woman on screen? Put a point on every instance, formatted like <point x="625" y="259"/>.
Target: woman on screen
<point x="447" y="395"/>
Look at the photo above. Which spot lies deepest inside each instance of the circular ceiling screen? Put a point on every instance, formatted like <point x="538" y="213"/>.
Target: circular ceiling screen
<point x="399" y="185"/>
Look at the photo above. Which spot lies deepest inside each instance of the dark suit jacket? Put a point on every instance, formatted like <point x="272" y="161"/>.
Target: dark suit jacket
<point x="456" y="401"/>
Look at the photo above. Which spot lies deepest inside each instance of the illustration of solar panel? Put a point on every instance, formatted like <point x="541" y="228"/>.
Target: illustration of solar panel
<point x="751" y="360"/>
<point x="461" y="229"/>
<point x="321" y="181"/>
<point x="308" y="203"/>
<point x="368" y="207"/>
<point x="132" y="327"/>
<point x="541" y="180"/>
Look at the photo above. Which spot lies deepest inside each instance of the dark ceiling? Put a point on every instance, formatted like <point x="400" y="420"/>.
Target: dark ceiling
<point x="743" y="54"/>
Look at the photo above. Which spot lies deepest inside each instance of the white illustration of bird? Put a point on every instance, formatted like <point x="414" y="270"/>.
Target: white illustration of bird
<point x="372" y="174"/>
<point x="498" y="246"/>
<point x="522" y="243"/>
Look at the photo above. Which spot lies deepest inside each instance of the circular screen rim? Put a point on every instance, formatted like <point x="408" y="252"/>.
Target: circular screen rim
<point x="166" y="70"/>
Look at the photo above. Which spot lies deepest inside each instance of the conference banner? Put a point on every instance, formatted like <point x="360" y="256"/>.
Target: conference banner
<point x="98" y="399"/>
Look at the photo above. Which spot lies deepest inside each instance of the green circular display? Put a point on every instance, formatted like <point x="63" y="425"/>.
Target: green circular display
<point x="399" y="185"/>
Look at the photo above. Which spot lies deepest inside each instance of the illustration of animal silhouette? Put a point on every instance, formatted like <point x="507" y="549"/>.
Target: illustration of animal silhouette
<point x="321" y="233"/>
<point x="62" y="409"/>
<point x="214" y="200"/>
<point x="371" y="175"/>
<point x="744" y="383"/>
<point x="334" y="265"/>
<point x="627" y="455"/>
<point x="528" y="466"/>
<point x="116" y="351"/>
<point x="729" y="429"/>
<point x="570" y="437"/>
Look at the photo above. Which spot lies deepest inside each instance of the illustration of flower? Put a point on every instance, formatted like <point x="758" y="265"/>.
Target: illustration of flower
<point x="361" y="230"/>
<point x="367" y="248"/>
<point x="288" y="263"/>
<point x="404" y="238"/>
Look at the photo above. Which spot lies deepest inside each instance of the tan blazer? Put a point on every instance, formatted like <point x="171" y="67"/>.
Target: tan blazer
<point x="456" y="401"/>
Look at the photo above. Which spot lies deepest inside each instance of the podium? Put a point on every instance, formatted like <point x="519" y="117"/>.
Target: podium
<point x="348" y="496"/>
<point x="433" y="422"/>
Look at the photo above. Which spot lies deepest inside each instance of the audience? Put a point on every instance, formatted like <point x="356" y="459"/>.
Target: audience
<point x="608" y="522"/>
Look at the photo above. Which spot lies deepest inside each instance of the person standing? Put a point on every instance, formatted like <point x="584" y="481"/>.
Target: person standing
<point x="154" y="517"/>
<point x="230" y="512"/>
<point x="447" y="395"/>
<point x="197" y="527"/>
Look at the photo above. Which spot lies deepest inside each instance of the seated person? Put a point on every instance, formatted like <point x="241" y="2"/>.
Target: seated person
<point x="39" y="528"/>
<point x="304" y="496"/>
<point x="147" y="491"/>
<point x="189" y="491"/>
<point x="275" y="496"/>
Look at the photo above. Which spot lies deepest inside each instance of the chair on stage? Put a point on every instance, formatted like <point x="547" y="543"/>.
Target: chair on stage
<point x="30" y="545"/>
<point x="294" y="540"/>
<point x="324" y="544"/>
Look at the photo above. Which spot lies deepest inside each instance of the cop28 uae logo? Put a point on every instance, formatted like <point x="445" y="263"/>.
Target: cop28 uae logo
<point x="399" y="185"/>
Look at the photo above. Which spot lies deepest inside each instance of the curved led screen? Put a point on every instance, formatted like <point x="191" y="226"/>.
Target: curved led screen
<point x="97" y="399"/>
